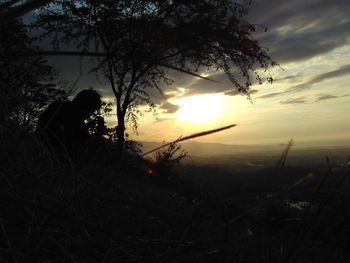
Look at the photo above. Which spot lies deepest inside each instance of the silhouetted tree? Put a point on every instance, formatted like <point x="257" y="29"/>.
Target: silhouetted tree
<point x="28" y="83"/>
<point x="13" y="9"/>
<point x="136" y="42"/>
<point x="96" y="122"/>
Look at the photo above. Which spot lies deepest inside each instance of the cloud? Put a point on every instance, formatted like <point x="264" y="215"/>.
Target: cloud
<point x="271" y="95"/>
<point x="329" y="97"/>
<point x="300" y="100"/>
<point x="163" y="119"/>
<point x="183" y="85"/>
<point x="326" y="97"/>
<point x="299" y="29"/>
<point x="236" y="92"/>
<point x="202" y="86"/>
<point x="168" y="107"/>
<point x="342" y="71"/>
<point x="221" y="84"/>
<point x="232" y="93"/>
<point x="291" y="78"/>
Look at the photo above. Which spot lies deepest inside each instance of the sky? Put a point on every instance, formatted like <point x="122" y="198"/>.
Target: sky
<point x="309" y="100"/>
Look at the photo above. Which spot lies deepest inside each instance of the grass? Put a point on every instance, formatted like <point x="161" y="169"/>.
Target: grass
<point x="192" y="136"/>
<point x="54" y="211"/>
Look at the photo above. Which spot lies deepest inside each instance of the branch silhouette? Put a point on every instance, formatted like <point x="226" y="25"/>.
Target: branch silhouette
<point x="195" y="135"/>
<point x="10" y="13"/>
<point x="102" y="54"/>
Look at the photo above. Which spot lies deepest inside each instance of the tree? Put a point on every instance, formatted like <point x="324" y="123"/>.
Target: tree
<point x="136" y="42"/>
<point x="29" y="81"/>
<point x="96" y="122"/>
<point x="12" y="9"/>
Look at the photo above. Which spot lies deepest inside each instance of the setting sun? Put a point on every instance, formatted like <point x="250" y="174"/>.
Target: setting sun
<point x="200" y="109"/>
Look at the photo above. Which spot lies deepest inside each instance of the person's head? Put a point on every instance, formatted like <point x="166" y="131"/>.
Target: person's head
<point x="87" y="102"/>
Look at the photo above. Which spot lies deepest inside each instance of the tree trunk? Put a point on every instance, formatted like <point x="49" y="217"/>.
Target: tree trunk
<point x="120" y="130"/>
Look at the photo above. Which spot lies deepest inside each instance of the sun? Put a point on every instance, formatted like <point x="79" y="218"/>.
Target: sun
<point x="200" y="108"/>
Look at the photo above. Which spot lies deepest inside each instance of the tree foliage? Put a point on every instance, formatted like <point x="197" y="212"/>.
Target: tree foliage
<point x="96" y="123"/>
<point x="28" y="83"/>
<point x="167" y="159"/>
<point x="12" y="9"/>
<point x="136" y="42"/>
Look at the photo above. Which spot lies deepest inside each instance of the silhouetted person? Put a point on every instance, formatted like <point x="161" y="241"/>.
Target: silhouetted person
<point x="61" y="126"/>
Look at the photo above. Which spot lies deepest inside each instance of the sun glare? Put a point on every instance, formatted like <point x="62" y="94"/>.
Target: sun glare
<point x="200" y="108"/>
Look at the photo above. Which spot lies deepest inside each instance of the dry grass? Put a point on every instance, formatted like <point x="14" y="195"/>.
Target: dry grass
<point x="192" y="136"/>
<point x="67" y="212"/>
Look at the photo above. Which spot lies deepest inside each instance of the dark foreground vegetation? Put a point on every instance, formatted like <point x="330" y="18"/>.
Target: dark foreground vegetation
<point x="134" y="210"/>
<point x="109" y="204"/>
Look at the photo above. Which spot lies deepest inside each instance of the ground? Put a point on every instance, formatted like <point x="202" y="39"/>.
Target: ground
<point x="130" y="211"/>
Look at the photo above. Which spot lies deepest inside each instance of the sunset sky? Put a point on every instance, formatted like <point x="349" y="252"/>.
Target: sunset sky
<point x="309" y="100"/>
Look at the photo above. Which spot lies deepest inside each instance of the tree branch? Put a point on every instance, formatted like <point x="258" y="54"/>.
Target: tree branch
<point x="18" y="11"/>
<point x="103" y="54"/>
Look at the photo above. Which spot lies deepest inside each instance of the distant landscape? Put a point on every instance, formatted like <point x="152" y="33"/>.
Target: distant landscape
<point x="247" y="172"/>
<point x="255" y="156"/>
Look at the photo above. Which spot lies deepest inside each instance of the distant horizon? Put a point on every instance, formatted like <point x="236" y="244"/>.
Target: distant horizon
<point x="335" y="143"/>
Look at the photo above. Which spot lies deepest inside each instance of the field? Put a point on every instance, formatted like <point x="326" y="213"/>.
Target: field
<point x="265" y="207"/>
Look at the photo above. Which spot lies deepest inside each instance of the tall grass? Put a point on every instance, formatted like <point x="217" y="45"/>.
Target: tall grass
<point x="192" y="136"/>
<point x="68" y="212"/>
